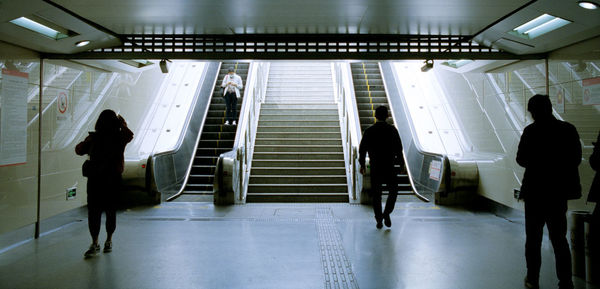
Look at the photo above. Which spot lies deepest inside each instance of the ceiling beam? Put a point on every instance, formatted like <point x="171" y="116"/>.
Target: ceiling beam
<point x="296" y="46"/>
<point x="298" y="55"/>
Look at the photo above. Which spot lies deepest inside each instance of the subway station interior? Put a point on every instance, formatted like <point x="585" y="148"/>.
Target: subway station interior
<point x="277" y="200"/>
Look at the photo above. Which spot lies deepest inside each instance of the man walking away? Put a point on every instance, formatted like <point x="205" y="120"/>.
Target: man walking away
<point x="232" y="83"/>
<point x="550" y="152"/>
<point x="382" y="142"/>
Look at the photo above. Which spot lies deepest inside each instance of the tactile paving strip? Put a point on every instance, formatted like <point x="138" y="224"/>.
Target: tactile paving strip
<point x="336" y="266"/>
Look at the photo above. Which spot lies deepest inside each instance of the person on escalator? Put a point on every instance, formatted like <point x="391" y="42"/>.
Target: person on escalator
<point x="382" y="142"/>
<point x="232" y="83"/>
<point x="550" y="152"/>
<point x="105" y="146"/>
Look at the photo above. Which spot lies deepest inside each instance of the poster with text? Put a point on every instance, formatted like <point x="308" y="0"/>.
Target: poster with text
<point x="13" y="118"/>
<point x="560" y="101"/>
<point x="591" y="91"/>
<point x="435" y="170"/>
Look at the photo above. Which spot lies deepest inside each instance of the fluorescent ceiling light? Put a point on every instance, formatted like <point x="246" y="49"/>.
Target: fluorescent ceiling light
<point x="39" y="28"/>
<point x="457" y="63"/>
<point x="137" y="63"/>
<point x="539" y="26"/>
<point x="588" y="5"/>
<point x="82" y="43"/>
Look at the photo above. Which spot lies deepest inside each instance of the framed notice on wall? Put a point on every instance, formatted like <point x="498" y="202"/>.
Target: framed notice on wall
<point x="13" y="118"/>
<point x="591" y="91"/>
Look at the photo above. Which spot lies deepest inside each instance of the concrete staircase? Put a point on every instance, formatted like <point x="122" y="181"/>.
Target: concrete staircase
<point x="216" y="138"/>
<point x="370" y="93"/>
<point x="298" y="154"/>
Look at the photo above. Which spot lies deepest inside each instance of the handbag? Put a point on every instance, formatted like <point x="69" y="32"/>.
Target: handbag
<point x="87" y="169"/>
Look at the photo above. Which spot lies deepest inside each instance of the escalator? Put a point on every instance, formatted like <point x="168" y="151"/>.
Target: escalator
<point x="370" y="93"/>
<point x="215" y="139"/>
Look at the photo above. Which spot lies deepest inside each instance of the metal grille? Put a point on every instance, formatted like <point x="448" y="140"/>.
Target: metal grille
<point x="296" y="46"/>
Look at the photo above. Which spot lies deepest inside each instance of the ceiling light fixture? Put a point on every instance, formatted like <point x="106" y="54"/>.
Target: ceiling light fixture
<point x="588" y="5"/>
<point x="457" y="63"/>
<point x="43" y="27"/>
<point x="137" y="63"/>
<point x="82" y="43"/>
<point x="539" y="26"/>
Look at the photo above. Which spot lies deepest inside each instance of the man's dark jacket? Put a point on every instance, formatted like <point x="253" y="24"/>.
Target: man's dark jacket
<point x="550" y="152"/>
<point x="383" y="144"/>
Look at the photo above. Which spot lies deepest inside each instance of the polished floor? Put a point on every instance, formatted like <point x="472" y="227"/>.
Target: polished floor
<point x="198" y="245"/>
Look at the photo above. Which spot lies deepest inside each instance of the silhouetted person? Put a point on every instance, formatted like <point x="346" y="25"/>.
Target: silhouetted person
<point x="550" y="152"/>
<point x="232" y="83"/>
<point x="382" y="142"/>
<point x="105" y="147"/>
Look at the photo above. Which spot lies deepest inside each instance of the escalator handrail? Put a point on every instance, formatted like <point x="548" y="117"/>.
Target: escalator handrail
<point x="182" y="136"/>
<point x="244" y="138"/>
<point x="445" y="176"/>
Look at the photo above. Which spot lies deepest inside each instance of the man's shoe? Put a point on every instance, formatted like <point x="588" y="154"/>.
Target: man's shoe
<point x="379" y="225"/>
<point x="92" y="251"/>
<point x="387" y="220"/>
<point x="531" y="285"/>
<point x="226" y="122"/>
<point x="108" y="247"/>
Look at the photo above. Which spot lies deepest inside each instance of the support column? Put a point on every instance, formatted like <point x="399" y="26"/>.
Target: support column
<point x="547" y="77"/>
<point x="39" y="172"/>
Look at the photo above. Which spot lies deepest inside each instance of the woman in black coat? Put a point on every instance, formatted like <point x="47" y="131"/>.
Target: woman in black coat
<point x="105" y="147"/>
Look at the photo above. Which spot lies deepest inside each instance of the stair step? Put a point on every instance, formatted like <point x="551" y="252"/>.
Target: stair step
<point x="216" y="143"/>
<point x="300" y="135"/>
<point x="293" y="129"/>
<point x="298" y="156"/>
<point x="297" y="198"/>
<point x="298" y="111"/>
<point x="298" y="148"/>
<point x="204" y="179"/>
<point x="294" y="117"/>
<point x="212" y="151"/>
<point x="203" y="170"/>
<point x="294" y="163"/>
<point x="300" y="180"/>
<point x="309" y="122"/>
<point x="375" y="99"/>
<point x="299" y="170"/>
<point x="299" y="106"/>
<point x="297" y="141"/>
<point x="298" y="188"/>
<point x="198" y="187"/>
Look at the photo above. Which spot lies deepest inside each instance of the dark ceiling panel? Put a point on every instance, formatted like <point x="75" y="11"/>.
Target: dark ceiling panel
<point x="293" y="16"/>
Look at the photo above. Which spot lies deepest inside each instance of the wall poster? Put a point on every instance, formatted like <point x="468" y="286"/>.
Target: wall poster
<point x="13" y="118"/>
<point x="591" y="91"/>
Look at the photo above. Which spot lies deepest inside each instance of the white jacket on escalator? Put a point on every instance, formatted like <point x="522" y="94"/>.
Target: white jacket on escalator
<point x="235" y="79"/>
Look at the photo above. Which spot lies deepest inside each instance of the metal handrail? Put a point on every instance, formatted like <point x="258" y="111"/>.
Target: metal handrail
<point x="182" y="137"/>
<point x="349" y="121"/>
